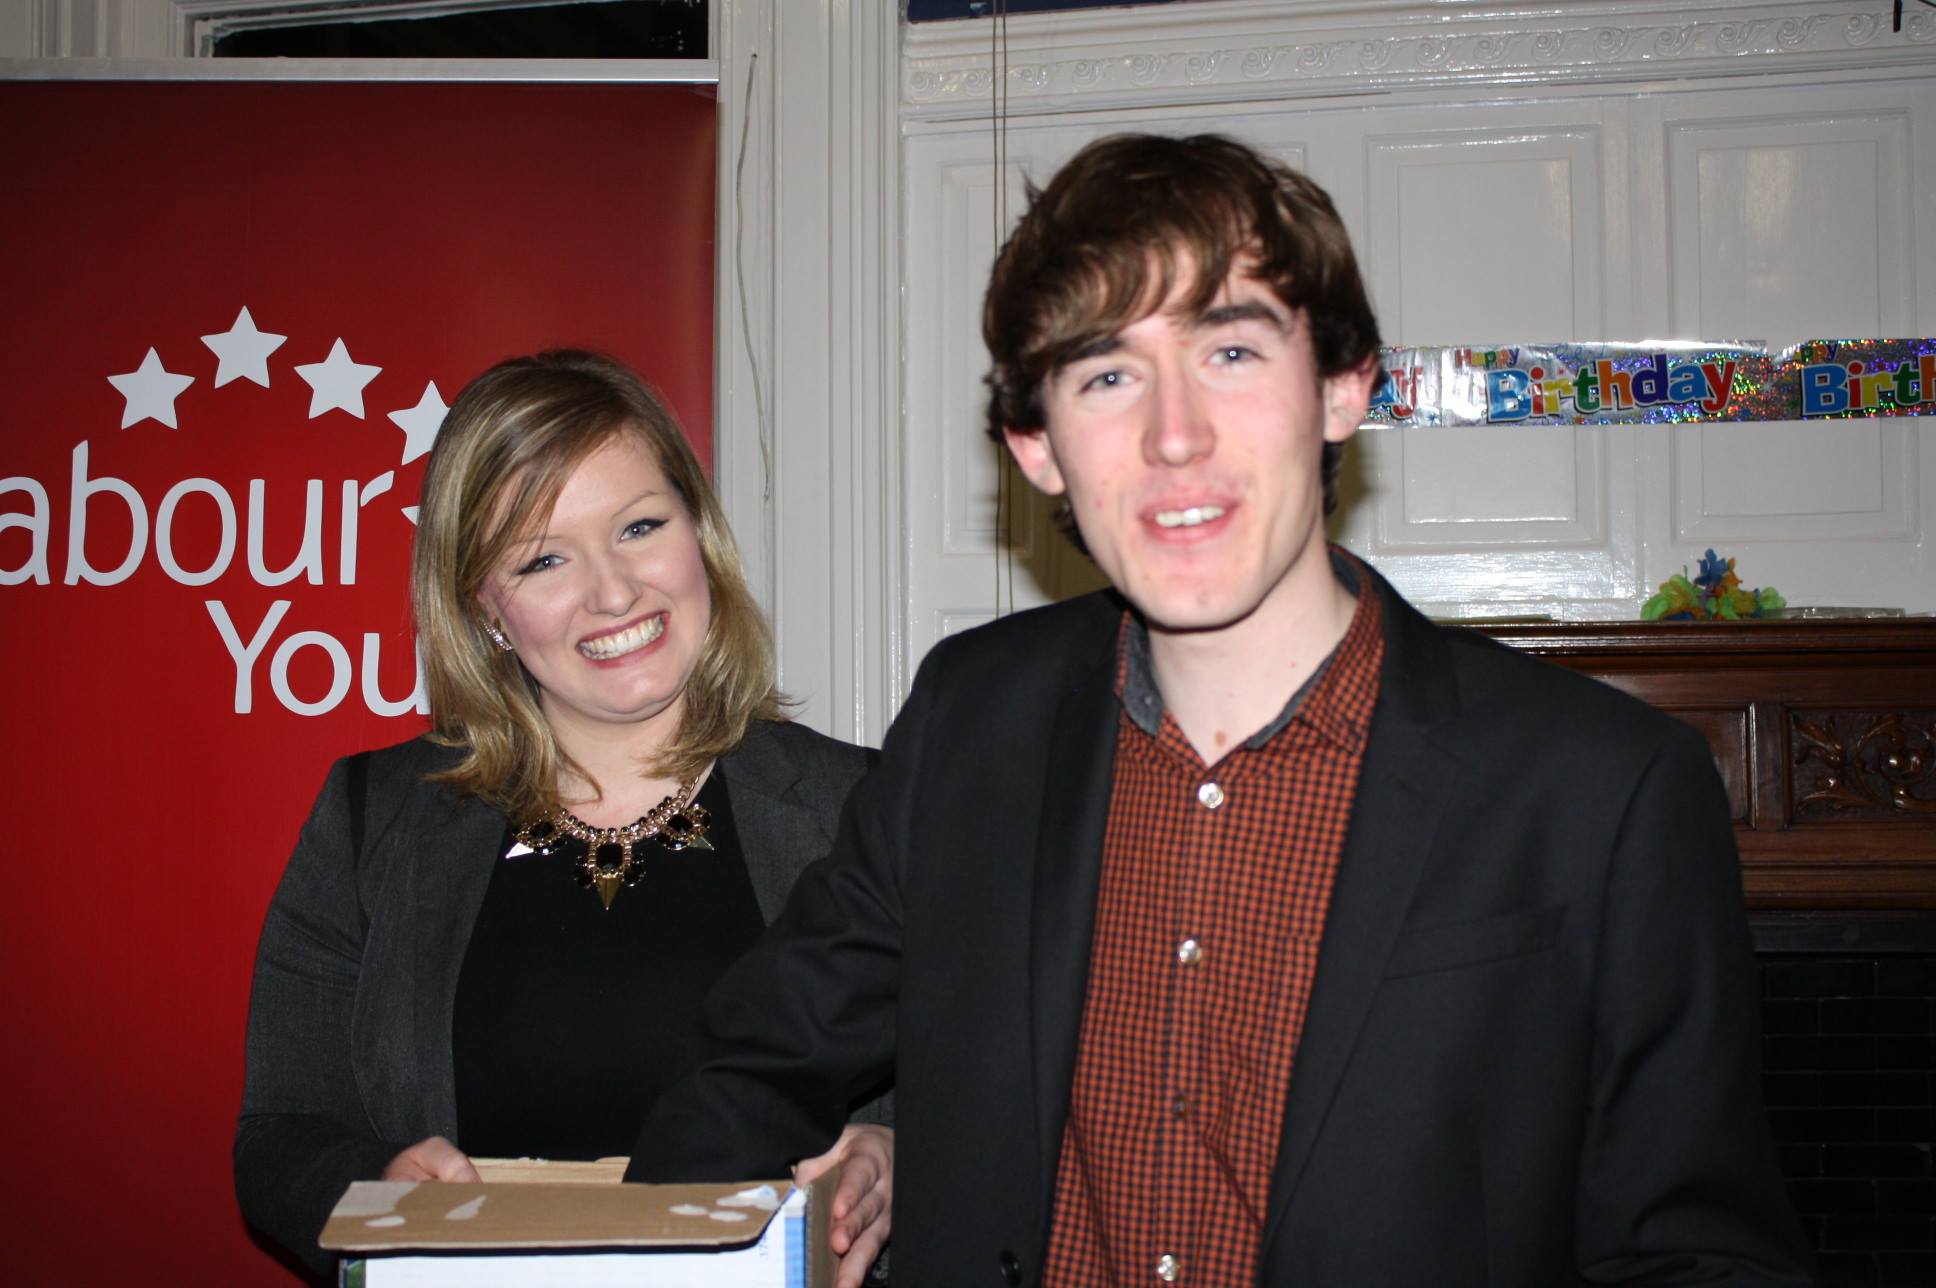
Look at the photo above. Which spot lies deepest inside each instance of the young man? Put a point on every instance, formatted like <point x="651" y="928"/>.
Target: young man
<point x="1244" y="927"/>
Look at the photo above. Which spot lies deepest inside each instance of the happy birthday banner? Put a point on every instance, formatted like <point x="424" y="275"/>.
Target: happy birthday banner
<point x="1655" y="382"/>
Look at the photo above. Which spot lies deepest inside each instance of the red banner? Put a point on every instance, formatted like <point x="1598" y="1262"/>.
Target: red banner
<point x="234" y="314"/>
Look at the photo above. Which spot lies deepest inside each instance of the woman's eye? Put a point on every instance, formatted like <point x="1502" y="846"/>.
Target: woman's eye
<point x="539" y="564"/>
<point x="640" y="527"/>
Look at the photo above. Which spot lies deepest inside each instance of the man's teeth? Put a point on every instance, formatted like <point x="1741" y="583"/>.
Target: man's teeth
<point x="1189" y="518"/>
<point x="610" y="646"/>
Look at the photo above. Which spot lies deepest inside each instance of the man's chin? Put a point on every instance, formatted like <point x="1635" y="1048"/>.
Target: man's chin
<point x="1187" y="615"/>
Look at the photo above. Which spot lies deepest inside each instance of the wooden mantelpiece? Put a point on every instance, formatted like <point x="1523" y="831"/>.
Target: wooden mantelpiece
<point x="1824" y="732"/>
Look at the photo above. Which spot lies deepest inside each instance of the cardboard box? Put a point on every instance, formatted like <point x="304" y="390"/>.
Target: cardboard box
<point x="576" y="1225"/>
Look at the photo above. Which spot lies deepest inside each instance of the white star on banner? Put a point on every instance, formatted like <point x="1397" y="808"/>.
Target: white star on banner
<point x="244" y="351"/>
<point x="337" y="382"/>
<point x="419" y="423"/>
<point x="151" y="391"/>
<point x="410" y="513"/>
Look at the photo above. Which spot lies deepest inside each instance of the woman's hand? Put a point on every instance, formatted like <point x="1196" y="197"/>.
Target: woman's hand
<point x="434" y="1159"/>
<point x="863" y="1196"/>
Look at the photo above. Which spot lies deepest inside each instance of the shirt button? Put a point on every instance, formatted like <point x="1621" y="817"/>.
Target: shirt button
<point x="1209" y="796"/>
<point x="1189" y="953"/>
<point x="1168" y="1268"/>
<point x="1180" y="1107"/>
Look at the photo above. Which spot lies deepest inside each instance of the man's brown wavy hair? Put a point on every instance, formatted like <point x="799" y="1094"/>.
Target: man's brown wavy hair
<point x="1105" y="242"/>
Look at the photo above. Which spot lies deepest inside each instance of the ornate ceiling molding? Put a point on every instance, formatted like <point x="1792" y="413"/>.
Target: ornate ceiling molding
<point x="1230" y="50"/>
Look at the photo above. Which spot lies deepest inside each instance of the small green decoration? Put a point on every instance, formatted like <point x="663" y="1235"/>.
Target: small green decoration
<point x="1715" y="594"/>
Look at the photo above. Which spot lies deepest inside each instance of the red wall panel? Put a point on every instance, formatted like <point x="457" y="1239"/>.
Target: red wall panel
<point x="432" y="229"/>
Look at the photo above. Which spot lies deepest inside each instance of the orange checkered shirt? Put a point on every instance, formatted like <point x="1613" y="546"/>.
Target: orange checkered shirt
<point x="1215" y="883"/>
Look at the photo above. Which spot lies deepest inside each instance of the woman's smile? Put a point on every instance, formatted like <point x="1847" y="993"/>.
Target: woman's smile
<point x="627" y="639"/>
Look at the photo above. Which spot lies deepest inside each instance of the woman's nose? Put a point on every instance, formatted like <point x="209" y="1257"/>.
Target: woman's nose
<point x="613" y="589"/>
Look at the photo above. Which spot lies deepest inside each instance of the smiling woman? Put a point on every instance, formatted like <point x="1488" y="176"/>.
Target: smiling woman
<point x="607" y="608"/>
<point x="494" y="940"/>
<point x="562" y="507"/>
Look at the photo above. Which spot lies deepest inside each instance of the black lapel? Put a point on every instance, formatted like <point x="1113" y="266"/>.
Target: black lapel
<point x="1404" y="782"/>
<point x="447" y="847"/>
<point x="774" y="830"/>
<point x="1081" y="755"/>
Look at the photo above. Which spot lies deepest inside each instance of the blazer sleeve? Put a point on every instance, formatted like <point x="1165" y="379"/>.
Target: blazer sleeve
<point x="1679" y="1182"/>
<point x="841" y="766"/>
<point x="804" y="1024"/>
<point x="303" y="1135"/>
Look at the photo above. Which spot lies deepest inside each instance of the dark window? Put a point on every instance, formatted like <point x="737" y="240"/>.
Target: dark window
<point x="613" y="29"/>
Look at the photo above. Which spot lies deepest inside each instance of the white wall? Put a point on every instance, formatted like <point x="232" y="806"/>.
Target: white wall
<point x="1589" y="172"/>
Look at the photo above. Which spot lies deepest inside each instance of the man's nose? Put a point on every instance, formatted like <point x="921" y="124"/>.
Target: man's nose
<point x="1179" y="431"/>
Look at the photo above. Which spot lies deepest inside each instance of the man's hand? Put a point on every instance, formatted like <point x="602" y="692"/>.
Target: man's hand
<point x="435" y="1159"/>
<point x="863" y="1211"/>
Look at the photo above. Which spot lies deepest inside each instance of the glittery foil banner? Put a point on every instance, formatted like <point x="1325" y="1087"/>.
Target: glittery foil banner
<point x="1654" y="382"/>
<point x="1568" y="384"/>
<point x="1844" y="378"/>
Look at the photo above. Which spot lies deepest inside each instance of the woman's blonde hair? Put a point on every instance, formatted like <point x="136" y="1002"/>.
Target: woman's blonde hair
<point x="506" y="448"/>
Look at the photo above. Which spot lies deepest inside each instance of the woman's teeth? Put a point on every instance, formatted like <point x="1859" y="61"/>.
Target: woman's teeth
<point x="606" y="647"/>
<point x="1189" y="518"/>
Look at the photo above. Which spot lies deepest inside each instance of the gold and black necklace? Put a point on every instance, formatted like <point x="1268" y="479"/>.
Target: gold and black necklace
<point x="609" y="857"/>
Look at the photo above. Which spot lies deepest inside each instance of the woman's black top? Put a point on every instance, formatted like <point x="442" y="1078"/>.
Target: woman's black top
<point x="571" y="1018"/>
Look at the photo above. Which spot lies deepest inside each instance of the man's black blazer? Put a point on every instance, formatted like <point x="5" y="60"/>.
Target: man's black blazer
<point x="1531" y="1053"/>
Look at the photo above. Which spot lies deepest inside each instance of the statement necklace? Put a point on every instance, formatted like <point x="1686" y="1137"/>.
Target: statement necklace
<point x="609" y="857"/>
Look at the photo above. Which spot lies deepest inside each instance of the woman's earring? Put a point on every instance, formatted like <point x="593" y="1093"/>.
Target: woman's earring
<point x="496" y="633"/>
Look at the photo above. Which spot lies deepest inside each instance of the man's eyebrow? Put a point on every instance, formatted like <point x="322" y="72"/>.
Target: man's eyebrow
<point x="1096" y="348"/>
<point x="1246" y="311"/>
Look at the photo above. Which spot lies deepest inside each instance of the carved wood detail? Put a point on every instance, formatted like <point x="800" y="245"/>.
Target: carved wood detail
<point x="1868" y="764"/>
<point x="1830" y="762"/>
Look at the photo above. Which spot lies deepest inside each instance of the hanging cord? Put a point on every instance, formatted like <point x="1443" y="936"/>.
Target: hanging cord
<point x="1898" y="24"/>
<point x="998" y="123"/>
<point x="763" y="430"/>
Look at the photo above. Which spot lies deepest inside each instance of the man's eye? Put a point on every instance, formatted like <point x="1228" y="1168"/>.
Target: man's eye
<point x="540" y="564"/>
<point x="1232" y="353"/>
<point x="1103" y="380"/>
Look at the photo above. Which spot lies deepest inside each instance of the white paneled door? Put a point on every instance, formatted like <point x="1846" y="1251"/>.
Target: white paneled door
<point x="1747" y="211"/>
